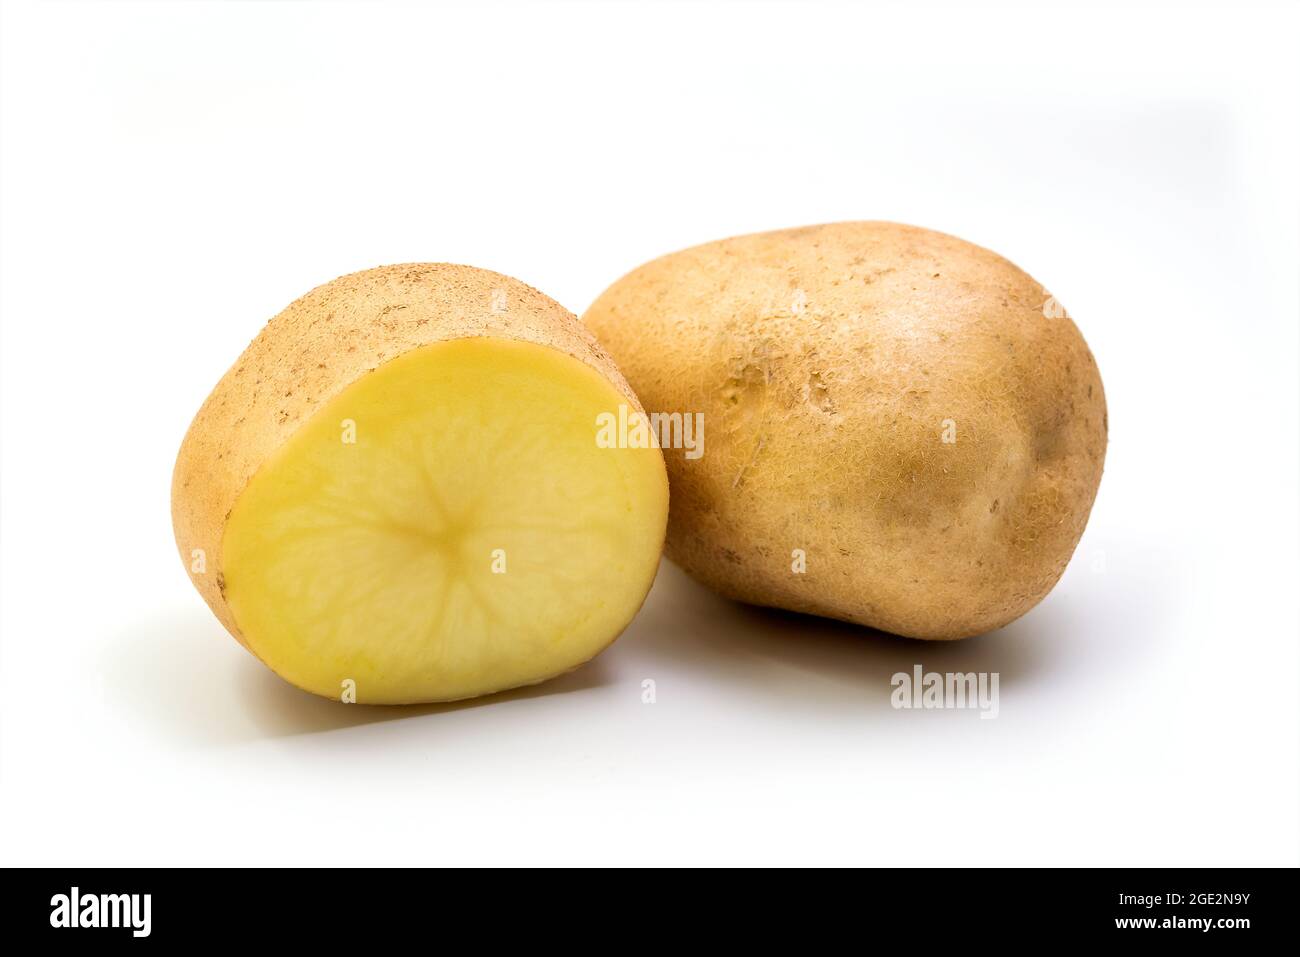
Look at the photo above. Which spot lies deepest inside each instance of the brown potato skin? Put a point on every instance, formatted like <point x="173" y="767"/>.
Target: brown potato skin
<point x="318" y="346"/>
<point x="826" y="361"/>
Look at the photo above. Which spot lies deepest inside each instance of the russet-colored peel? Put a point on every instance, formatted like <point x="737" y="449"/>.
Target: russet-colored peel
<point x="829" y="362"/>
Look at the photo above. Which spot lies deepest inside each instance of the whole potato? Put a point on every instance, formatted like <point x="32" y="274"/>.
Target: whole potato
<point x="903" y="429"/>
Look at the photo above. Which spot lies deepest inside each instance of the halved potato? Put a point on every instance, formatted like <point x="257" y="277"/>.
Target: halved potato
<point x="397" y="494"/>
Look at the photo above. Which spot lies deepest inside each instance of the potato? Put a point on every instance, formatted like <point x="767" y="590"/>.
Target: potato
<point x="903" y="430"/>
<point x="397" y="495"/>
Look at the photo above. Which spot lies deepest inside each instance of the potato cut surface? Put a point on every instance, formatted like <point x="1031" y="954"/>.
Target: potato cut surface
<point x="444" y="527"/>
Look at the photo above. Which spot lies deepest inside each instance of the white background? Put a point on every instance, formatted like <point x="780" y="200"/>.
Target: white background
<point x="175" y="174"/>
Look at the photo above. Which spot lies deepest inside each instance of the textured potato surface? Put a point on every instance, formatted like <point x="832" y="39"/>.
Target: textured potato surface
<point x="436" y="521"/>
<point x="904" y="430"/>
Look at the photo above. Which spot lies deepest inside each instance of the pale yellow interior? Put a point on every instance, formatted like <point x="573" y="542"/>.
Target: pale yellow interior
<point x="473" y="537"/>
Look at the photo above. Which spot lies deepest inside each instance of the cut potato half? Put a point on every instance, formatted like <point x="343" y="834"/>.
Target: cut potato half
<point x="446" y="525"/>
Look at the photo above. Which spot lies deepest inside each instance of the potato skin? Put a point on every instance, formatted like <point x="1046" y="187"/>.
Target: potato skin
<point x="831" y="362"/>
<point x="319" y="345"/>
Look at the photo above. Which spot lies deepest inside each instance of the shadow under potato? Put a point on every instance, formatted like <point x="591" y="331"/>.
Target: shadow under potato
<point x="810" y="661"/>
<point x="183" y="672"/>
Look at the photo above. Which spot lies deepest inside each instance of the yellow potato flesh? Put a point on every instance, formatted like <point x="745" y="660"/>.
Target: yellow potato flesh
<point x="447" y="526"/>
